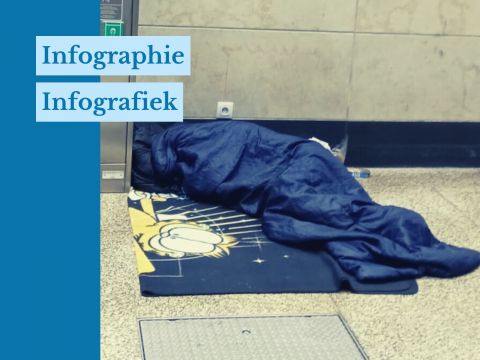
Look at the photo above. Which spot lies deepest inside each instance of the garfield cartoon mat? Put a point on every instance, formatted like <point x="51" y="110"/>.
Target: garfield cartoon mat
<point x="183" y="247"/>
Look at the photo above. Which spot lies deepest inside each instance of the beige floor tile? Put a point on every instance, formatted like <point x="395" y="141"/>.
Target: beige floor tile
<point x="440" y="322"/>
<point x="114" y="213"/>
<point x="464" y="195"/>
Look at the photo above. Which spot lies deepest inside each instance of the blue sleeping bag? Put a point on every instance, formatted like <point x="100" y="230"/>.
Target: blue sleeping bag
<point x="304" y="196"/>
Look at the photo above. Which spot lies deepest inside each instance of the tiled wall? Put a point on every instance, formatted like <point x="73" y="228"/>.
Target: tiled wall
<point x="405" y="60"/>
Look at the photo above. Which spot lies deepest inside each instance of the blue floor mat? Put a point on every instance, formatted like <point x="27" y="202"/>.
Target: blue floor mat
<point x="184" y="247"/>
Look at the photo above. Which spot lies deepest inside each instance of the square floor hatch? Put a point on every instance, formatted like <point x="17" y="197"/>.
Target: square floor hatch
<point x="237" y="338"/>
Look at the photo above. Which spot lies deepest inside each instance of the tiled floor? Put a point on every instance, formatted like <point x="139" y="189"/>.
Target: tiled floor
<point x="441" y="322"/>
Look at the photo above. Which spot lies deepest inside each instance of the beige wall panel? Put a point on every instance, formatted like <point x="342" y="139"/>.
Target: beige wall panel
<point x="267" y="74"/>
<point x="206" y="86"/>
<point x="289" y="75"/>
<point x="456" y="17"/>
<point x="264" y="14"/>
<point x="416" y="78"/>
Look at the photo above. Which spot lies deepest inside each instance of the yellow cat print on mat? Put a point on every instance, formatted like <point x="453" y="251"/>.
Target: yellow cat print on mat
<point x="136" y="195"/>
<point x="173" y="238"/>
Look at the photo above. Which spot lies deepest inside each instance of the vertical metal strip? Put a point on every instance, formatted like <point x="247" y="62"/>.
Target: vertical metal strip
<point x="134" y="11"/>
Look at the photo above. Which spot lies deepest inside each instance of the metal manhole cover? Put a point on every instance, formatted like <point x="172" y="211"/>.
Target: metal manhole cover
<point x="239" y="338"/>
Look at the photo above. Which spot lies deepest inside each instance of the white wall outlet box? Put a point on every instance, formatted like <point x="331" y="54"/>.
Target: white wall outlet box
<point x="224" y="110"/>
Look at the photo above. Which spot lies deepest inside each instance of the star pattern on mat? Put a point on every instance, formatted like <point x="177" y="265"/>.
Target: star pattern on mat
<point x="258" y="261"/>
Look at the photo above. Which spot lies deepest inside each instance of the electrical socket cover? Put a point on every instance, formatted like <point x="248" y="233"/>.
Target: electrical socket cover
<point x="224" y="110"/>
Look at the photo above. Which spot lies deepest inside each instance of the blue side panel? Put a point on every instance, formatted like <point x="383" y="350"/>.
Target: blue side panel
<point x="50" y="220"/>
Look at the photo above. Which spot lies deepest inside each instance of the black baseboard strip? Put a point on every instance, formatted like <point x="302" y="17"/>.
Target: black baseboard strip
<point x="414" y="144"/>
<point x="394" y="144"/>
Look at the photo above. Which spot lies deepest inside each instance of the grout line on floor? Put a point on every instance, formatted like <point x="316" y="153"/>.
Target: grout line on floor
<point x="467" y="216"/>
<point x="335" y="303"/>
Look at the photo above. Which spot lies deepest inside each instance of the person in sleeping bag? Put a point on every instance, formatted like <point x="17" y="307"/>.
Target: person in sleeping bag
<point x="304" y="196"/>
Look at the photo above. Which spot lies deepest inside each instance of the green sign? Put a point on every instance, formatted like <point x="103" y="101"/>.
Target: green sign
<point x="113" y="29"/>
